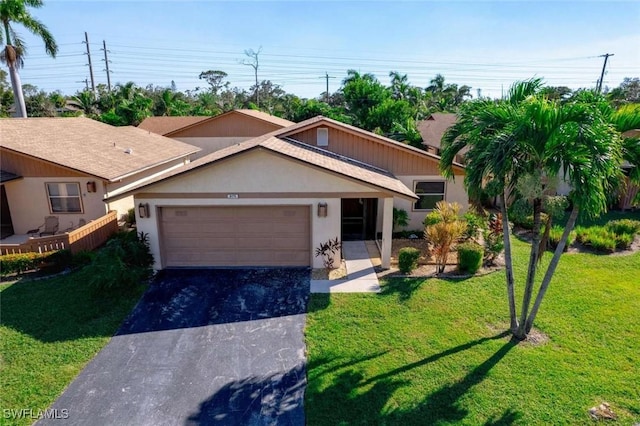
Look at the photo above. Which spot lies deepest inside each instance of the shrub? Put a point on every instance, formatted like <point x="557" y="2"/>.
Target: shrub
<point x="49" y="262"/>
<point x="83" y="258"/>
<point x="624" y="241"/>
<point x="432" y="218"/>
<point x="400" y="218"/>
<point x="131" y="216"/>
<point x="519" y="211"/>
<point x="527" y="222"/>
<point x="475" y="222"/>
<point x="624" y="226"/>
<point x="597" y="237"/>
<point x="470" y="257"/>
<point x="328" y="250"/>
<point x="17" y="263"/>
<point x="556" y="233"/>
<point x="493" y="239"/>
<point x="124" y="262"/>
<point x="445" y="233"/>
<point x="408" y="259"/>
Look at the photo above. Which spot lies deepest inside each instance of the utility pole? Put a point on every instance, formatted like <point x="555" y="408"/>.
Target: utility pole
<point x="93" y="83"/>
<point x="604" y="66"/>
<point x="86" y="83"/>
<point x="106" y="62"/>
<point x="327" y="77"/>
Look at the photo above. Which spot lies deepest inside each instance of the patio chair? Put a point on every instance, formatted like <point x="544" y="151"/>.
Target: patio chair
<point x="50" y="226"/>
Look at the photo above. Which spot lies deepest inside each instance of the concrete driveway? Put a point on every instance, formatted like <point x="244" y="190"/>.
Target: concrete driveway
<point x="202" y="347"/>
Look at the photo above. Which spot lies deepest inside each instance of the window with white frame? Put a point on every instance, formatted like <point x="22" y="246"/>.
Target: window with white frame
<point x="64" y="197"/>
<point x="429" y="193"/>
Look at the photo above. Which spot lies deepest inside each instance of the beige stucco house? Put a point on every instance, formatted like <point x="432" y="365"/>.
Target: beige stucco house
<point x="66" y="167"/>
<point x="272" y="200"/>
<point x="213" y="133"/>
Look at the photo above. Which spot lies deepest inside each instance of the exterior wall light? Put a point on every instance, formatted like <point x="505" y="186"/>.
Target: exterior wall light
<point x="91" y="186"/>
<point x="143" y="210"/>
<point x="322" y="209"/>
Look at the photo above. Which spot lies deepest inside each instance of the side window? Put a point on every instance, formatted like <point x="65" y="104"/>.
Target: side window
<point x="429" y="194"/>
<point x="64" y="197"/>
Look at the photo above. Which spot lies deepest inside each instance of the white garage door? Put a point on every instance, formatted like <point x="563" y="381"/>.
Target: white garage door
<point x="236" y="236"/>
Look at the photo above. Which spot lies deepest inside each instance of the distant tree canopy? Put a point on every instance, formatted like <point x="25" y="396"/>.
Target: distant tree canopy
<point x="362" y="100"/>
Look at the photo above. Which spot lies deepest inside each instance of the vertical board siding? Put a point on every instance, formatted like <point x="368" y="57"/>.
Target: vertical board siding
<point x="376" y="153"/>
<point x="25" y="166"/>
<point x="232" y="125"/>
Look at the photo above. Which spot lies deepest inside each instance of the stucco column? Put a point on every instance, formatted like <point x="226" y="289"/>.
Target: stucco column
<point x="387" y="230"/>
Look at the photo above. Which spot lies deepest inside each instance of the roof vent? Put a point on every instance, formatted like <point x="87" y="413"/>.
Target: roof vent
<point x="128" y="151"/>
<point x="322" y="136"/>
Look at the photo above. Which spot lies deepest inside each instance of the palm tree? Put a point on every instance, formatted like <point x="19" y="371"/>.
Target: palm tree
<point x="528" y="137"/>
<point x="15" y="11"/>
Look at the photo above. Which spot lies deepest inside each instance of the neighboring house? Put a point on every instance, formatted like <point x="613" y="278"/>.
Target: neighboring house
<point x="66" y="167"/>
<point x="214" y="133"/>
<point x="432" y="129"/>
<point x="272" y="200"/>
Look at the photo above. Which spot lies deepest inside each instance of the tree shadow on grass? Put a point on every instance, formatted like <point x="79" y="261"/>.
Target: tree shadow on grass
<point x="352" y="398"/>
<point x="63" y="308"/>
<point x="404" y="288"/>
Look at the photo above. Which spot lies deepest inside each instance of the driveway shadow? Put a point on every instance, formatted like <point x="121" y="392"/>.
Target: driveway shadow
<point x="184" y="298"/>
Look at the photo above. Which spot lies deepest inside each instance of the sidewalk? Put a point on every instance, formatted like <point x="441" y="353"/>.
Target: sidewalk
<point x="361" y="277"/>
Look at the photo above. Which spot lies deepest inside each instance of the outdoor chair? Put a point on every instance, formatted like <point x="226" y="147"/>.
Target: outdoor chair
<point x="50" y="226"/>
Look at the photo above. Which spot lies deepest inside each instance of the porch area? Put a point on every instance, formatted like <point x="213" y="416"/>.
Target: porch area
<point x="87" y="237"/>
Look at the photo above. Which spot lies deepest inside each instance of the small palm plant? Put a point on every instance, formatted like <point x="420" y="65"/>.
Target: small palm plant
<point x="444" y="229"/>
<point x="328" y="250"/>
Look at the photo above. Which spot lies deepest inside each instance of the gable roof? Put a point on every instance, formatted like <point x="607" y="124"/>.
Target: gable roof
<point x="297" y="151"/>
<point x="259" y="115"/>
<point x="321" y="120"/>
<point x="89" y="146"/>
<point x="165" y="125"/>
<point x="432" y="129"/>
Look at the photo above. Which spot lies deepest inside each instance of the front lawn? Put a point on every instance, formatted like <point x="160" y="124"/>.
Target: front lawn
<point x="431" y="351"/>
<point x="49" y="330"/>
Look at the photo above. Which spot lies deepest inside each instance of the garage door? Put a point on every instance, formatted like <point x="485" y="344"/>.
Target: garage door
<point x="236" y="236"/>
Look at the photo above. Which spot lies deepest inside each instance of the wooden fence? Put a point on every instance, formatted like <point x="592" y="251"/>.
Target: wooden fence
<point x="87" y="237"/>
<point x="628" y="195"/>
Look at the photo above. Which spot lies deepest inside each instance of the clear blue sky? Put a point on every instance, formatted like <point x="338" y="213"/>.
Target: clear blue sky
<point x="484" y="44"/>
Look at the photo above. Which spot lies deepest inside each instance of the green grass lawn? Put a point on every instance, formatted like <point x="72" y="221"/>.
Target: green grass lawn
<point x="49" y="330"/>
<point x="431" y="351"/>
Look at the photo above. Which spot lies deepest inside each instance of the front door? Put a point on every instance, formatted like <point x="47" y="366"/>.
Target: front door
<point x="5" y="215"/>
<point x="359" y="218"/>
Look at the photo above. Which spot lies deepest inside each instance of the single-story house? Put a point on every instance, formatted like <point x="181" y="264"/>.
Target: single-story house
<point x="214" y="133"/>
<point x="66" y="167"/>
<point x="272" y="200"/>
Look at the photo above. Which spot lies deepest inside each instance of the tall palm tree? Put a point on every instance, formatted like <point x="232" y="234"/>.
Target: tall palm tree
<point x="15" y="12"/>
<point x="526" y="136"/>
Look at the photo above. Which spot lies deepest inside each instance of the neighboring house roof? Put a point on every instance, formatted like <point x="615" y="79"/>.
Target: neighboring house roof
<point x="7" y="176"/>
<point x="321" y="120"/>
<point x="300" y="152"/>
<point x="432" y="129"/>
<point x="164" y="125"/>
<point x="264" y="116"/>
<point x="89" y="146"/>
<point x="167" y="126"/>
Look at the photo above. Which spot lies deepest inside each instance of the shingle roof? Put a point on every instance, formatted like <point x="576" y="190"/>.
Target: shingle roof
<point x="432" y="129"/>
<point x="266" y="117"/>
<point x="299" y="151"/>
<point x="89" y="146"/>
<point x="164" y="125"/>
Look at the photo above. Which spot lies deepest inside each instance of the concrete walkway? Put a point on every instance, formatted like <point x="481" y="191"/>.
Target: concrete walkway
<point x="361" y="277"/>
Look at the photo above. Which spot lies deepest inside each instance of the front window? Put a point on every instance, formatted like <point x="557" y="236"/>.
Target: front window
<point x="429" y="194"/>
<point x="64" y="197"/>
